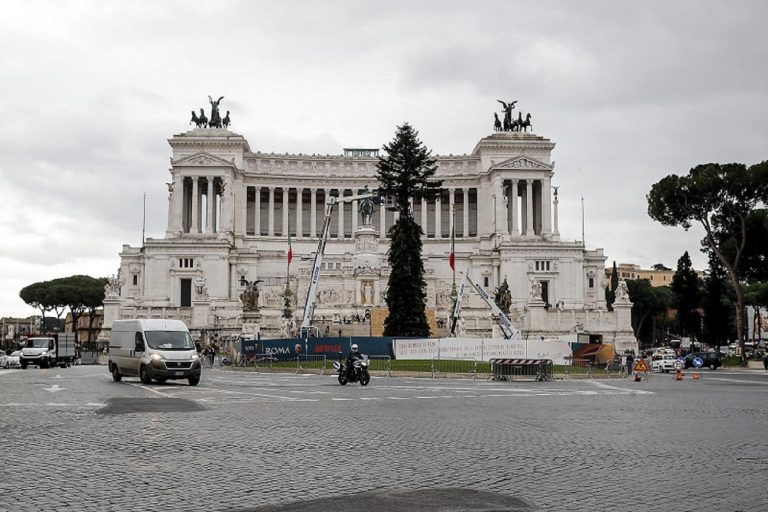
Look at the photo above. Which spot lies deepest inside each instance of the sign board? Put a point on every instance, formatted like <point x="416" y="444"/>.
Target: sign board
<point x="679" y="365"/>
<point x="641" y="366"/>
<point x="698" y="362"/>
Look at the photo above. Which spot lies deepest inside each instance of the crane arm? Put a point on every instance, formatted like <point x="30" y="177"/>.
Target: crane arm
<point x="508" y="329"/>
<point x="310" y="302"/>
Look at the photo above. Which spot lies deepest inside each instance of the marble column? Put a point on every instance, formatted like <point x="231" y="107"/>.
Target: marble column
<point x="529" y="207"/>
<point x="271" y="212"/>
<point x="341" y="214"/>
<point x="546" y="206"/>
<point x="451" y="211"/>
<point x="284" y="230"/>
<point x="382" y="223"/>
<point x="211" y="198"/>
<point x="513" y="208"/>
<point x="438" y="217"/>
<point x="299" y="212"/>
<point x="554" y="205"/>
<point x="257" y="211"/>
<point x="424" y="225"/>
<point x="313" y="213"/>
<point x="195" y="215"/>
<point x="501" y="207"/>
<point x="466" y="213"/>
<point x="355" y="215"/>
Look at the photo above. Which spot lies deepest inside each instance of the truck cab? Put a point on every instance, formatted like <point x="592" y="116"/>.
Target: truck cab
<point x="39" y="351"/>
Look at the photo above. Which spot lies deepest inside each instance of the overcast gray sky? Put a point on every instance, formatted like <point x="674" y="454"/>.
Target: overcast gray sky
<point x="629" y="91"/>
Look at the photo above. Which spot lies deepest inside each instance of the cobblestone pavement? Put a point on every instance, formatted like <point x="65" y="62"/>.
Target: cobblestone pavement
<point x="73" y="439"/>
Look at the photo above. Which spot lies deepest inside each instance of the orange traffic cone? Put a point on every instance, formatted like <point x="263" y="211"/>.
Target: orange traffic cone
<point x="679" y="375"/>
<point x="696" y="375"/>
<point x="637" y="377"/>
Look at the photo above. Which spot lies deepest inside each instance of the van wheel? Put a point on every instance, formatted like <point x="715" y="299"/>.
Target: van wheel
<point x="23" y="365"/>
<point x="193" y="381"/>
<point x="116" y="376"/>
<point x="144" y="375"/>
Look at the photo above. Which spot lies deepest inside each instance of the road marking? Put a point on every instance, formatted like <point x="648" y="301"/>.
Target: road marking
<point x="740" y="381"/>
<point x="54" y="388"/>
<point x="342" y="399"/>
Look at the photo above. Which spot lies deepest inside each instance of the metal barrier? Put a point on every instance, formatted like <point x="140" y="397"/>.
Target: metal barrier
<point x="518" y="369"/>
<point x="256" y="361"/>
<point x="310" y="362"/>
<point x="381" y="364"/>
<point x="454" y="366"/>
<point x="579" y="367"/>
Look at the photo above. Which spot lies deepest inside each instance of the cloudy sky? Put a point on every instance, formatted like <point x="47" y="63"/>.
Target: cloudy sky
<point x="629" y="91"/>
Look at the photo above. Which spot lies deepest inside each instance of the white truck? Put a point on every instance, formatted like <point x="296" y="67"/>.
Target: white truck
<point x="49" y="351"/>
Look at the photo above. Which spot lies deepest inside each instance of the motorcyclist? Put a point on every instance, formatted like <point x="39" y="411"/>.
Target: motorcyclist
<point x="354" y="355"/>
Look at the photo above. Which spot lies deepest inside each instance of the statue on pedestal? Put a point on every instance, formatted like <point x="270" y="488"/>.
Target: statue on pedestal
<point x="535" y="290"/>
<point x="114" y="283"/>
<point x="250" y="296"/>
<point x="622" y="293"/>
<point x="366" y="208"/>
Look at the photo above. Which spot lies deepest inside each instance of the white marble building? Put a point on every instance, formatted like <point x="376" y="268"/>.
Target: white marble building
<point x="230" y="210"/>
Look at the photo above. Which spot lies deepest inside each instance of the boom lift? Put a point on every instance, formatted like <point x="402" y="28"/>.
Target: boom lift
<point x="508" y="330"/>
<point x="309" y="304"/>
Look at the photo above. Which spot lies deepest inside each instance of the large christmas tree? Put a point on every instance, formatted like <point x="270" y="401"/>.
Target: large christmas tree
<point x="404" y="174"/>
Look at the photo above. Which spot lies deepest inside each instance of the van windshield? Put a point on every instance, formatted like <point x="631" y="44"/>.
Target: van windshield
<point x="169" y="340"/>
<point x="37" y="343"/>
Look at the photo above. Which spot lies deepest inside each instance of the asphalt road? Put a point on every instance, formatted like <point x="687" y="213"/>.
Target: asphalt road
<point x="73" y="439"/>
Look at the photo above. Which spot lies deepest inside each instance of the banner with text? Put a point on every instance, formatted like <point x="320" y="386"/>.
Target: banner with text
<point x="482" y="349"/>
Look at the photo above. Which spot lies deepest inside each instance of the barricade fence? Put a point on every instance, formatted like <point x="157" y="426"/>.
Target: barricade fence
<point x="380" y="364"/>
<point x="522" y="369"/>
<point x="310" y="362"/>
<point x="457" y="366"/>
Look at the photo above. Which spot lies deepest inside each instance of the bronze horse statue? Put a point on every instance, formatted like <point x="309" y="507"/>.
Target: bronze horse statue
<point x="527" y="123"/>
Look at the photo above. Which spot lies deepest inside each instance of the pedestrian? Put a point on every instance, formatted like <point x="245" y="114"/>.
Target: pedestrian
<point x="630" y="361"/>
<point x="765" y="362"/>
<point x="624" y="370"/>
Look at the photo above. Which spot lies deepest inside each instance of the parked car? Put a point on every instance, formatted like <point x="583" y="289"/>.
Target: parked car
<point x="711" y="360"/>
<point x="13" y="360"/>
<point x="663" y="363"/>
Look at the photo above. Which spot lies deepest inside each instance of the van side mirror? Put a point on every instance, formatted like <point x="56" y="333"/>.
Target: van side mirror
<point x="50" y="344"/>
<point x="139" y="346"/>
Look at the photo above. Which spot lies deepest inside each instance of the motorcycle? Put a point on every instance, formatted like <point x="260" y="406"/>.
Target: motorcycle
<point x="357" y="373"/>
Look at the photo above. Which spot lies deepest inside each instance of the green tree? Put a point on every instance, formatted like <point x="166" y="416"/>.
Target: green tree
<point x="80" y="294"/>
<point x="660" y="266"/>
<point x="686" y="288"/>
<point x="648" y="303"/>
<point x="405" y="173"/>
<point x="719" y="197"/>
<point x="36" y="295"/>
<point x="717" y="304"/>
<point x="610" y="290"/>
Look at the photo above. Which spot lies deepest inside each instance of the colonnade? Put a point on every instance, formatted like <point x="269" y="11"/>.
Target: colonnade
<point x="197" y="218"/>
<point x="523" y="207"/>
<point x="302" y="210"/>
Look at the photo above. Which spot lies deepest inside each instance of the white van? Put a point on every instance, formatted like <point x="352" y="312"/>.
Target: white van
<point x="153" y="349"/>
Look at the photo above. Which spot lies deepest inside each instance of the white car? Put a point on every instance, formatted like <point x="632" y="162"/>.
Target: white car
<point x="664" y="363"/>
<point x="11" y="361"/>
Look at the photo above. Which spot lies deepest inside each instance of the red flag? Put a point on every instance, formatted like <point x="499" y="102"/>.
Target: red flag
<point x="290" y="251"/>
<point x="451" y="260"/>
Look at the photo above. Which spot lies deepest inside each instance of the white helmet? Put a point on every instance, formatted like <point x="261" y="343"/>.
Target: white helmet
<point x="354" y="347"/>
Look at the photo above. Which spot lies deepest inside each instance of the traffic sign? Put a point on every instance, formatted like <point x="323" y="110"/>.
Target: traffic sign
<point x="698" y="362"/>
<point x="641" y="366"/>
<point x="678" y="365"/>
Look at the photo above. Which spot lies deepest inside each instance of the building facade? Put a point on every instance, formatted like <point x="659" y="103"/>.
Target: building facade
<point x="231" y="210"/>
